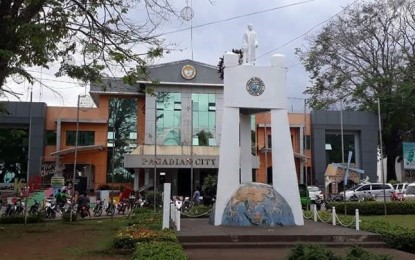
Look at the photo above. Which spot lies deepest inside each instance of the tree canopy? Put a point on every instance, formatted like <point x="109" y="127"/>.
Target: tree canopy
<point x="366" y="54"/>
<point x="100" y="34"/>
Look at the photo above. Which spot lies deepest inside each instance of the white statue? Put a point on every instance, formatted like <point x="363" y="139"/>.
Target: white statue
<point x="250" y="43"/>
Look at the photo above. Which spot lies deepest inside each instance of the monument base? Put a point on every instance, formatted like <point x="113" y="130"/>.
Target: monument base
<point x="256" y="204"/>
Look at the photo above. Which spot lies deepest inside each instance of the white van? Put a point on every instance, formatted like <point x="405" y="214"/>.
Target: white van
<point x="400" y="187"/>
<point x="375" y="189"/>
<point x="409" y="192"/>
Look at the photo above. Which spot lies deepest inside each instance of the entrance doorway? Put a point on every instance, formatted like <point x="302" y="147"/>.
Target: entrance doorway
<point x="183" y="182"/>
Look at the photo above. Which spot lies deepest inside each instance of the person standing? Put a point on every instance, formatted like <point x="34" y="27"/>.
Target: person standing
<point x="250" y="43"/>
<point x="196" y="196"/>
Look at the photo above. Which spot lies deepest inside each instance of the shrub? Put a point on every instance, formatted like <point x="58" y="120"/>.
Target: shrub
<point x="375" y="207"/>
<point x="128" y="237"/>
<point x="198" y="211"/>
<point x="150" y="220"/>
<point x="209" y="186"/>
<point x="302" y="252"/>
<point x="395" y="236"/>
<point x="20" y="219"/>
<point x="357" y="253"/>
<point x="66" y="217"/>
<point x="159" y="250"/>
<point x="150" y="199"/>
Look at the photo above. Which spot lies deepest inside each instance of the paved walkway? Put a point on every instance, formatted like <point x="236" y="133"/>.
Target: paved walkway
<point x="204" y="241"/>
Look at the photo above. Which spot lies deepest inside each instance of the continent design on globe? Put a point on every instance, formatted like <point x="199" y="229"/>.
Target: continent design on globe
<point x="257" y="204"/>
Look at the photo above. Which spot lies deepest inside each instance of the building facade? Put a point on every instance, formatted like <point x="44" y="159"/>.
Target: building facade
<point x="358" y="131"/>
<point x="167" y="128"/>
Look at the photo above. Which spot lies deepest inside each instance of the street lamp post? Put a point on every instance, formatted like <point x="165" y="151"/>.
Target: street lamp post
<point x="75" y="155"/>
<point x="381" y="158"/>
<point x="342" y="141"/>
<point x="155" y="153"/>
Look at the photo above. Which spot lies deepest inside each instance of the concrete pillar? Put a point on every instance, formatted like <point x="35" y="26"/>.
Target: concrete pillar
<point x="228" y="177"/>
<point x="246" y="153"/>
<point x="284" y="175"/>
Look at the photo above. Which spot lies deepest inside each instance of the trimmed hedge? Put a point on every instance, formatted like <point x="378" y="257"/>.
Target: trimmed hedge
<point x="370" y="208"/>
<point x="159" y="250"/>
<point x="395" y="236"/>
<point x="20" y="219"/>
<point x="303" y="252"/>
<point x="144" y="234"/>
<point x="128" y="237"/>
<point x="199" y="211"/>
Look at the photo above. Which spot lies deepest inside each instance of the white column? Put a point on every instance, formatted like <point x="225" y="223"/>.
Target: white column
<point x="246" y="153"/>
<point x="146" y="176"/>
<point x="228" y="176"/>
<point x="166" y="205"/>
<point x="136" y="179"/>
<point x="284" y="175"/>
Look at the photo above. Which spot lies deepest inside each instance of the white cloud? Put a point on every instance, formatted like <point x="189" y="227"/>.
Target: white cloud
<point x="274" y="28"/>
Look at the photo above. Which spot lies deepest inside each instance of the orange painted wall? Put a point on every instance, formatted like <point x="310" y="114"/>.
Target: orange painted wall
<point x="97" y="158"/>
<point x="295" y="120"/>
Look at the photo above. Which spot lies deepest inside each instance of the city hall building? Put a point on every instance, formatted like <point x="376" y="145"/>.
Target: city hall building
<point x="166" y="128"/>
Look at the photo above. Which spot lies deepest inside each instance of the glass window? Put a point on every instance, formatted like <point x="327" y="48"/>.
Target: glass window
<point x="84" y="138"/>
<point x="335" y="154"/>
<point x="365" y="187"/>
<point x="51" y="137"/>
<point x="121" y="136"/>
<point x="169" y="106"/>
<point x="307" y="142"/>
<point x="204" y="118"/>
<point x="377" y="187"/>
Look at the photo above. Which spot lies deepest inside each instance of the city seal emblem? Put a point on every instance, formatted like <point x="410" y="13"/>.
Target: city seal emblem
<point x="255" y="86"/>
<point x="188" y="71"/>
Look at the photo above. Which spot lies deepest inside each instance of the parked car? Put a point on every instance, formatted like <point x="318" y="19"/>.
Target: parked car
<point x="314" y="191"/>
<point x="369" y="189"/>
<point x="409" y="192"/>
<point x="400" y="187"/>
<point x="399" y="192"/>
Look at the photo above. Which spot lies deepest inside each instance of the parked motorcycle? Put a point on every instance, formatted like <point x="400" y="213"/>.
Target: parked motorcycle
<point x="140" y="203"/>
<point x="50" y="209"/>
<point x="318" y="200"/>
<point x="122" y="206"/>
<point x="98" y="208"/>
<point x="110" y="210"/>
<point x="9" y="210"/>
<point x="187" y="205"/>
<point x="34" y="208"/>
<point x="83" y="211"/>
<point x="19" y="207"/>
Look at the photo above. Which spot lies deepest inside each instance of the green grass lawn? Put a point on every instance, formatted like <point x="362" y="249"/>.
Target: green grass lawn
<point x="85" y="239"/>
<point x="407" y="221"/>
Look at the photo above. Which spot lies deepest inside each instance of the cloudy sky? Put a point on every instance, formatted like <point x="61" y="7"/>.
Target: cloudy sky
<point x="218" y="26"/>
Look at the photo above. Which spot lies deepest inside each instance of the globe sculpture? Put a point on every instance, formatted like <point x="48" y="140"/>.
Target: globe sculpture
<point x="257" y="204"/>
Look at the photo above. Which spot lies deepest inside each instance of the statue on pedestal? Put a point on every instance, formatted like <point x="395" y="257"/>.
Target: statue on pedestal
<point x="250" y="43"/>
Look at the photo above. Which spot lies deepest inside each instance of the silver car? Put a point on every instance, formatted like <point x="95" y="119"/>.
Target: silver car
<point x="372" y="189"/>
<point x="409" y="192"/>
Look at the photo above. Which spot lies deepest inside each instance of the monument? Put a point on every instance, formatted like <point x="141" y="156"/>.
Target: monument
<point x="250" y="43"/>
<point x="250" y="89"/>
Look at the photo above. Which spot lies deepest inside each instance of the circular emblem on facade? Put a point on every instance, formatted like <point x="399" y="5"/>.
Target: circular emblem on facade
<point x="255" y="86"/>
<point x="188" y="72"/>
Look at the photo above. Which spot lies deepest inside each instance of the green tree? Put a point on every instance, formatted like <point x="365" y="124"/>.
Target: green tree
<point x="203" y="137"/>
<point x="363" y="55"/>
<point x="96" y="32"/>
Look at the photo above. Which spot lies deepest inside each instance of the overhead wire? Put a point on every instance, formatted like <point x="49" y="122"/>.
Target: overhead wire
<point x="236" y="17"/>
<point x="308" y="31"/>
